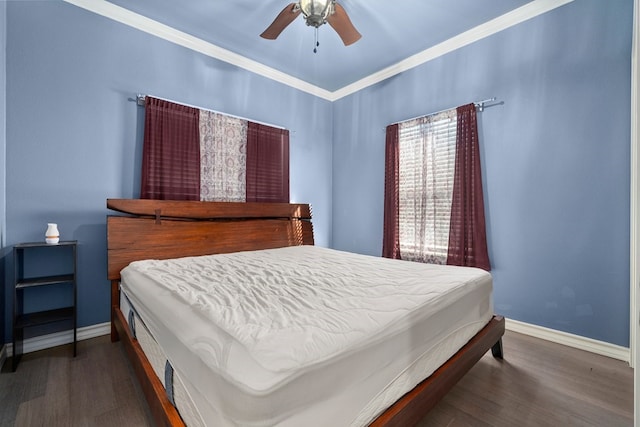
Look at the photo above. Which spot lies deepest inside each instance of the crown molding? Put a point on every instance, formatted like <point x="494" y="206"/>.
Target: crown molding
<point x="509" y="19"/>
<point x="142" y="23"/>
<point x="155" y="28"/>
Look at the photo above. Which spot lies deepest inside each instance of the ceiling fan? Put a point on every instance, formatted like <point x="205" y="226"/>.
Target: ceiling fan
<point x="315" y="13"/>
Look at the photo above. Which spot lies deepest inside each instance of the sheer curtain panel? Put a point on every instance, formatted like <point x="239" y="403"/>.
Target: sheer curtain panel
<point x="171" y="152"/>
<point x="223" y="158"/>
<point x="427" y="159"/>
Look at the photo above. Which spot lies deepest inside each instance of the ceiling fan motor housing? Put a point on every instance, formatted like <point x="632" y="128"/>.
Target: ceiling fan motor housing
<point x="316" y="12"/>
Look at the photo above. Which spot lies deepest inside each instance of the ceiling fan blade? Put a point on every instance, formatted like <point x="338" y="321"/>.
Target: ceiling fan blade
<point x="340" y="22"/>
<point x="286" y="17"/>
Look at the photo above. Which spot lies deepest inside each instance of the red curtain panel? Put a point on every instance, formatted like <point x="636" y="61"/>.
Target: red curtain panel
<point x="171" y="151"/>
<point x="390" y="237"/>
<point x="467" y="234"/>
<point x="267" y="164"/>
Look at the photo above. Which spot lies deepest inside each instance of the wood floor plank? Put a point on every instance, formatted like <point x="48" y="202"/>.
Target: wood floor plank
<point x="30" y="413"/>
<point x="93" y="391"/>
<point x="28" y="383"/>
<point x="133" y="409"/>
<point x="57" y="392"/>
<point x="538" y="383"/>
<point x="127" y="415"/>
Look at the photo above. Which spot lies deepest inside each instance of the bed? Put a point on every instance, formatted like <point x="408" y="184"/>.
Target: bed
<point x="168" y="233"/>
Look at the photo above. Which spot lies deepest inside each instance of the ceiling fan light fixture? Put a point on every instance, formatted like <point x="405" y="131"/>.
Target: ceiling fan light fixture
<point x="316" y="12"/>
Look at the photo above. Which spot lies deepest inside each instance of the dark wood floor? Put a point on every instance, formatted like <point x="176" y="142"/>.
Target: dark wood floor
<point x="538" y="384"/>
<point x="52" y="388"/>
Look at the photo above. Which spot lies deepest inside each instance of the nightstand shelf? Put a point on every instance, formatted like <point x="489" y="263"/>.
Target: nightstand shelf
<point x="44" y="317"/>
<point x="46" y="280"/>
<point x="64" y="316"/>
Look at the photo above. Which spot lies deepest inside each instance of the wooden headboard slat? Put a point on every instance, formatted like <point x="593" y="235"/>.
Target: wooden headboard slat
<point x="208" y="210"/>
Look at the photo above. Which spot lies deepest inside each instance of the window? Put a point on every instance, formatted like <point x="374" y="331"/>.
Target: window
<point x="433" y="199"/>
<point x="427" y="149"/>
<point x="194" y="154"/>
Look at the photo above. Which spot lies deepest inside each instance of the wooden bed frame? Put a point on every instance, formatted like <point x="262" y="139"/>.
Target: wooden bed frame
<point x="162" y="229"/>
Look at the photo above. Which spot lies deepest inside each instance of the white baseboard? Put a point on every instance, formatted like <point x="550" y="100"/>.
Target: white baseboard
<point x="576" y="341"/>
<point x="60" y="338"/>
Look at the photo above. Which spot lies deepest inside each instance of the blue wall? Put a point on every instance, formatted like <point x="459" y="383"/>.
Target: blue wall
<point x="74" y="134"/>
<point x="3" y="98"/>
<point x="555" y="161"/>
<point x="555" y="154"/>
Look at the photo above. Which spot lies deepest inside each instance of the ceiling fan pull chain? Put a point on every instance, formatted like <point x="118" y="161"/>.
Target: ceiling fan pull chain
<point x="317" y="44"/>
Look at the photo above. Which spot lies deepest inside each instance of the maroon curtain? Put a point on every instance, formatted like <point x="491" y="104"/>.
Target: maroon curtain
<point x="267" y="164"/>
<point x="391" y="237"/>
<point x="171" y="151"/>
<point x="467" y="235"/>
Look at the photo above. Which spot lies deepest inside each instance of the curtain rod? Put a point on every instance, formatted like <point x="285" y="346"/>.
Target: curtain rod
<point x="140" y="100"/>
<point x="479" y="105"/>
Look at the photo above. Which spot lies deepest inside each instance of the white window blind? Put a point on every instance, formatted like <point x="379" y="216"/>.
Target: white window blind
<point x="427" y="150"/>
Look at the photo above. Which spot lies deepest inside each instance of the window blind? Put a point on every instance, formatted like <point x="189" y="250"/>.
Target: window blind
<point x="427" y="150"/>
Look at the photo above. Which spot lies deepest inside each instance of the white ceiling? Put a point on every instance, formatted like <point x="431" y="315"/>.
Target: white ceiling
<point x="396" y="35"/>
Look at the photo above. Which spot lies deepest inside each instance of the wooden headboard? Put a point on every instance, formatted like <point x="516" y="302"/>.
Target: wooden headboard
<point x="161" y="229"/>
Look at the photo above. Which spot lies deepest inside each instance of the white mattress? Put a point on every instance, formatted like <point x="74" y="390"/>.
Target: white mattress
<point x="304" y="335"/>
<point x="157" y="358"/>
